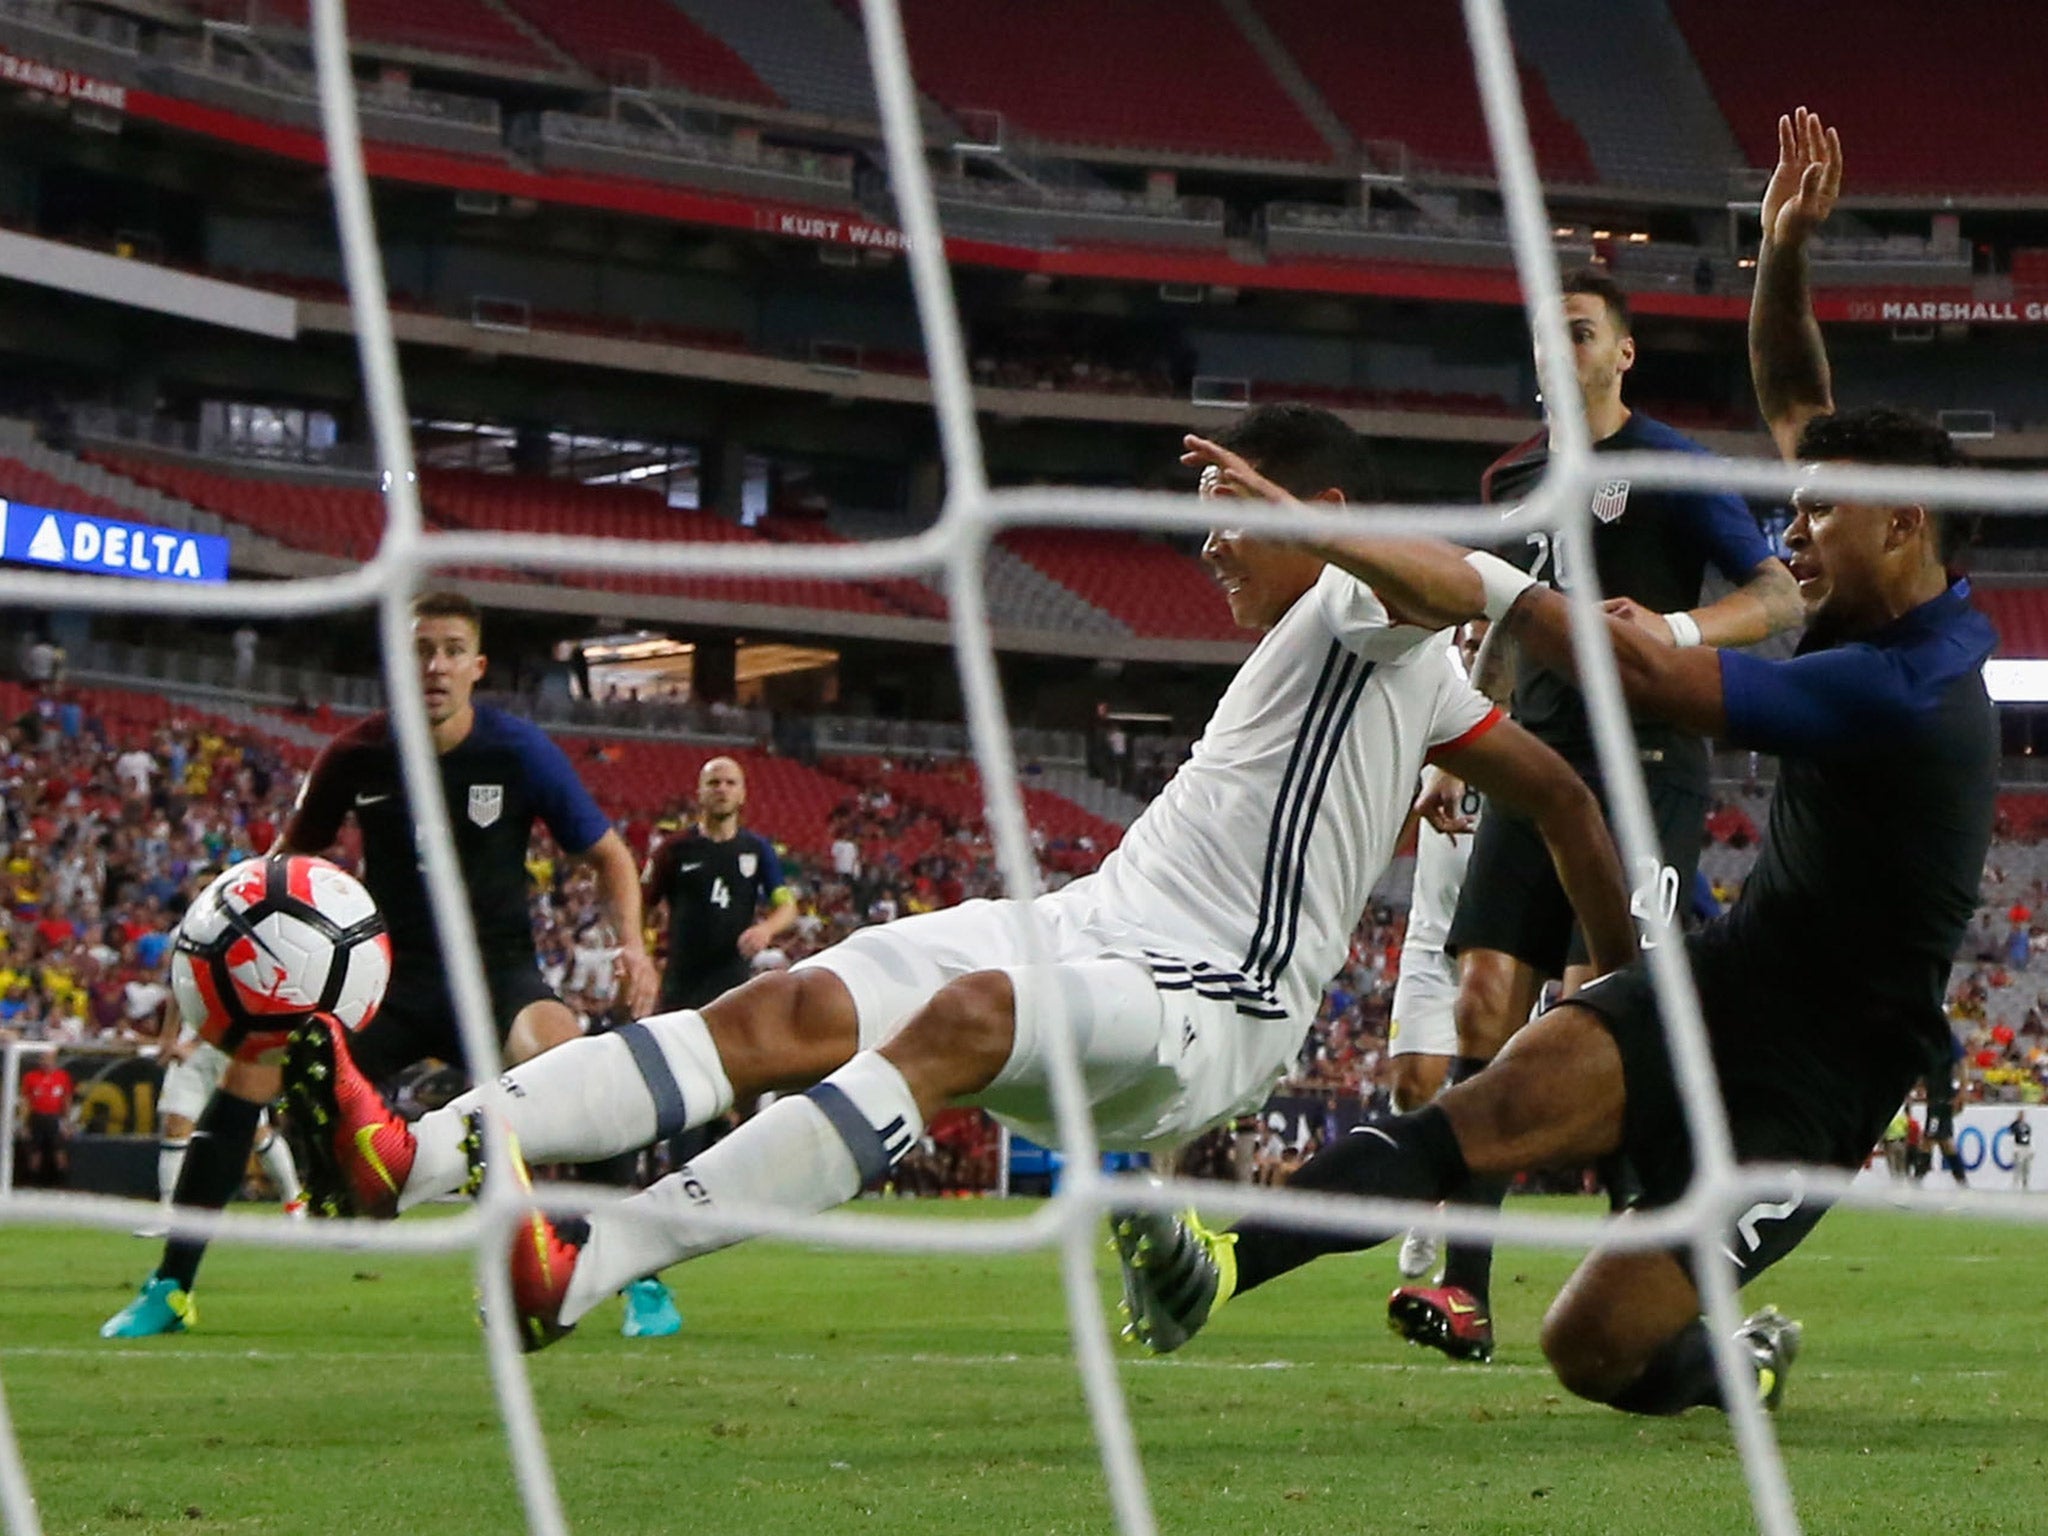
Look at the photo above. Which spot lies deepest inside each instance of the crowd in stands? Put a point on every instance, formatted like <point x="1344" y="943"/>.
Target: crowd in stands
<point x="108" y="828"/>
<point x="105" y="838"/>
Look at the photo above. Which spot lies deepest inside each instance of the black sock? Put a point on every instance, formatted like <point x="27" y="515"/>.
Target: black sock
<point x="1411" y="1157"/>
<point x="214" y="1163"/>
<point x="1679" y="1376"/>
<point x="621" y="1171"/>
<point x="1468" y="1262"/>
<point x="1955" y="1169"/>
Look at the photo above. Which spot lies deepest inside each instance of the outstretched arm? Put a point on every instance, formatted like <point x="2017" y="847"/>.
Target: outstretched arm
<point x="1682" y="686"/>
<point x="1516" y="769"/>
<point x="1762" y="606"/>
<point x="1788" y="361"/>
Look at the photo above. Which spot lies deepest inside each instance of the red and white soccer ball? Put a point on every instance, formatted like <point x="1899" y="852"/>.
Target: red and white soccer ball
<point x="272" y="941"/>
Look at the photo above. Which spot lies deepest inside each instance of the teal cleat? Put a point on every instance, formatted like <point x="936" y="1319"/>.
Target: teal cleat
<point x="161" y="1306"/>
<point x="650" y="1311"/>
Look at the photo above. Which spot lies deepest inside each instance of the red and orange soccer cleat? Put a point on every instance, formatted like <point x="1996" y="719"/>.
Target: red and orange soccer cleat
<point x="355" y="1152"/>
<point x="1445" y="1317"/>
<point x="544" y="1254"/>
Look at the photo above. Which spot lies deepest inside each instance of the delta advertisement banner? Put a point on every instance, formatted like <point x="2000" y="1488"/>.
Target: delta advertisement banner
<point x="104" y="546"/>
<point x="1984" y="1141"/>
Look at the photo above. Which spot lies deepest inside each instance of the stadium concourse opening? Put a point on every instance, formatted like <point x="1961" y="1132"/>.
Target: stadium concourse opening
<point x="643" y="666"/>
<point x="643" y="264"/>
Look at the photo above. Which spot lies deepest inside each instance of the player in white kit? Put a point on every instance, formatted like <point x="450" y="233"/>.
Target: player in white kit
<point x="1189" y="967"/>
<point x="1422" y="1027"/>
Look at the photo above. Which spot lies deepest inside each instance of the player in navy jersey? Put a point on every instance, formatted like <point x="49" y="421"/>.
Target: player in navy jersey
<point x="1513" y="930"/>
<point x="723" y="889"/>
<point x="499" y="775"/>
<point x="1822" y="986"/>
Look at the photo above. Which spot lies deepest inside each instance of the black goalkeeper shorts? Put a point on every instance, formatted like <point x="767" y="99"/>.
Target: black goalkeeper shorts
<point x="1512" y="900"/>
<point x="417" y="1020"/>
<point x="1789" y="1096"/>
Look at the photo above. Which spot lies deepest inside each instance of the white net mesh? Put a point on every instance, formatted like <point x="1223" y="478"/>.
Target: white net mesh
<point x="954" y="550"/>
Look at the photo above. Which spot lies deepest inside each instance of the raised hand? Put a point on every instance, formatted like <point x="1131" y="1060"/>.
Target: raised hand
<point x="1808" y="179"/>
<point x="1225" y="473"/>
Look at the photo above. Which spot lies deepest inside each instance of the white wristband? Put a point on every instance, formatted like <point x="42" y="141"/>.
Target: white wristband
<point x="1685" y="629"/>
<point x="1503" y="582"/>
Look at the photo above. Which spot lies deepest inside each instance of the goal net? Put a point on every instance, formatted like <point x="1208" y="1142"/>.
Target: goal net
<point x="953" y="551"/>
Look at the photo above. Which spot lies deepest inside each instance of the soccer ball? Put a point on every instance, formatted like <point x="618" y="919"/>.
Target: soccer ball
<point x="272" y="941"/>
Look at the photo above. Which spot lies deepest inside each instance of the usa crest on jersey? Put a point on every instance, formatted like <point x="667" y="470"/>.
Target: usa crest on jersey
<point x="486" y="803"/>
<point x="1611" y="500"/>
<point x="749" y="862"/>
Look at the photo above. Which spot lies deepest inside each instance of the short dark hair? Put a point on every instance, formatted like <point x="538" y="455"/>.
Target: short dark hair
<point x="1604" y="288"/>
<point x="449" y="605"/>
<point x="1303" y="449"/>
<point x="1883" y="434"/>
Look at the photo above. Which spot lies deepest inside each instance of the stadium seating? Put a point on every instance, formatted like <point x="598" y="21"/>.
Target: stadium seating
<point x="1148" y="74"/>
<point x="20" y="482"/>
<point x="953" y="792"/>
<point x="2020" y="615"/>
<point x="1401" y="70"/>
<point x="460" y="28"/>
<point x="1925" y="99"/>
<point x="330" y="519"/>
<point x="614" y="39"/>
<point x="791" y="802"/>
<point x="904" y="593"/>
<point x="1152" y="587"/>
<point x="534" y="504"/>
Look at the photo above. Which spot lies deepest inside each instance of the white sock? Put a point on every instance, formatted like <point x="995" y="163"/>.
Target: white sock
<point x="275" y="1154"/>
<point x="807" y="1153"/>
<point x="170" y="1157"/>
<point x="584" y="1100"/>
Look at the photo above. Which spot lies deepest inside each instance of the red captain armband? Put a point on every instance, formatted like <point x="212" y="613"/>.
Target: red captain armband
<point x="1486" y="722"/>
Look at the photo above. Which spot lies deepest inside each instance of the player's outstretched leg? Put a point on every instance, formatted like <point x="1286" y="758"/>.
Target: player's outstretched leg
<point x="803" y="1154"/>
<point x="1554" y="1098"/>
<point x="581" y="1101"/>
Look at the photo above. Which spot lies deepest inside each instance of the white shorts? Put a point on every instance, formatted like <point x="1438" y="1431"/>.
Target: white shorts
<point x="1162" y="1060"/>
<point x="1424" y="1020"/>
<point x="188" y="1084"/>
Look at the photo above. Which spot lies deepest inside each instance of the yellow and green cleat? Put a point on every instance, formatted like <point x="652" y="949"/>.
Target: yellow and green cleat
<point x="1176" y="1272"/>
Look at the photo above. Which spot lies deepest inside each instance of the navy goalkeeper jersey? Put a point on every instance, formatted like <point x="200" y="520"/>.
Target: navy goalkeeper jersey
<point x="497" y="781"/>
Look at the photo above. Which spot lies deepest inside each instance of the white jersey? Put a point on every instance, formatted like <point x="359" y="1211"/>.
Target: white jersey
<point x="1440" y="861"/>
<point x="1247" y="875"/>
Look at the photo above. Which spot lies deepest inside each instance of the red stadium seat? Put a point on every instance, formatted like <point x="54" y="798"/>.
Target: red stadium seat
<point x="1145" y="73"/>
<point x="1151" y="586"/>
<point x="1918" y="109"/>
<point x="1401" y="70"/>
<point x="611" y="37"/>
<point x="464" y="28"/>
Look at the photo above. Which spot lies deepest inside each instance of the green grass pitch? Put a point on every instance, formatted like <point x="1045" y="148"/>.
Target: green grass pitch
<point x="817" y="1393"/>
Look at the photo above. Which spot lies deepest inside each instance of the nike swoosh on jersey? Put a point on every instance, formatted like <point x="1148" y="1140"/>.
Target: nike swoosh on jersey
<point x="370" y="799"/>
<point x="687" y="868"/>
